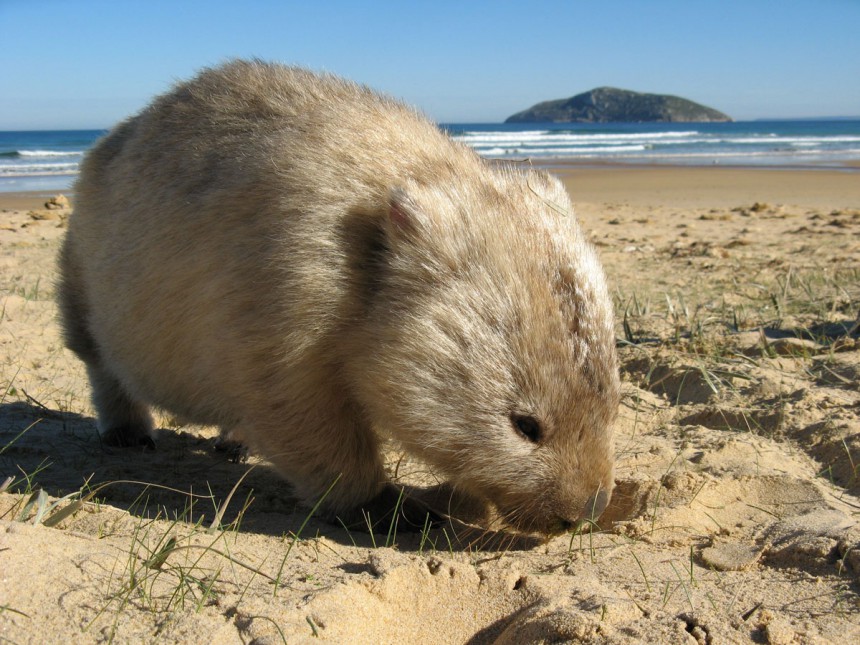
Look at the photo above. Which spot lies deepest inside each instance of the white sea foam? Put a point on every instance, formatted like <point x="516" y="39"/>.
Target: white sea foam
<point x="792" y="140"/>
<point x="49" y="153"/>
<point x="557" y="152"/>
<point x="729" y="143"/>
<point x="544" y="136"/>
<point x="760" y="157"/>
<point x="24" y="170"/>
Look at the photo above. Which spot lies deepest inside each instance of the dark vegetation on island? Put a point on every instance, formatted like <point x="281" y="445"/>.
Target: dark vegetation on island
<point x="611" y="105"/>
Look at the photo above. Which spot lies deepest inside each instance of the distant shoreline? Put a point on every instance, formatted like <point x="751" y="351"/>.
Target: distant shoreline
<point x="849" y="166"/>
<point x="679" y="186"/>
<point x="47" y="184"/>
<point x="49" y="160"/>
<point x="43" y="186"/>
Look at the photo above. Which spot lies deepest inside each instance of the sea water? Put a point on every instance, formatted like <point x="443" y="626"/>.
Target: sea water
<point x="49" y="160"/>
<point x="770" y="143"/>
<point x="44" y="159"/>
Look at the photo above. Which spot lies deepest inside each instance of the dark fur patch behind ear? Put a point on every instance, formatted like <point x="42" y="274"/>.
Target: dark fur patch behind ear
<point x="365" y="241"/>
<point x="564" y="285"/>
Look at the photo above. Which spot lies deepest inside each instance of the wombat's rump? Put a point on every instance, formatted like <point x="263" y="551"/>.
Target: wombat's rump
<point x="310" y="265"/>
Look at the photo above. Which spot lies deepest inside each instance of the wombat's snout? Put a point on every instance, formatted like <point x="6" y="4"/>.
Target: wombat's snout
<point x="593" y="509"/>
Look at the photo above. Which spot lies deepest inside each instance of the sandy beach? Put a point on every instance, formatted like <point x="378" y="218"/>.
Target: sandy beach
<point x="734" y="517"/>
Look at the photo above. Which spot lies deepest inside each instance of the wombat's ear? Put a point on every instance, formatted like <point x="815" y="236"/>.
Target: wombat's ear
<point x="405" y="217"/>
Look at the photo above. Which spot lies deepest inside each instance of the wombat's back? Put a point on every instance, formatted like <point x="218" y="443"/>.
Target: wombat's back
<point x="184" y="212"/>
<point x="243" y="128"/>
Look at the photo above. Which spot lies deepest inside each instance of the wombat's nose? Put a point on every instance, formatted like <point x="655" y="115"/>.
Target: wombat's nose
<point x="565" y="526"/>
<point x="595" y="505"/>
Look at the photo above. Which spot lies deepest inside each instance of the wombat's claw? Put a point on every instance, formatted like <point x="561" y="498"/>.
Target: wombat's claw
<point x="415" y="516"/>
<point x="128" y="437"/>
<point x="236" y="451"/>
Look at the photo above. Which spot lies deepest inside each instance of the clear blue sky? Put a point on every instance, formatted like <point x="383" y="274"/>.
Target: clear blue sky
<point x="89" y="63"/>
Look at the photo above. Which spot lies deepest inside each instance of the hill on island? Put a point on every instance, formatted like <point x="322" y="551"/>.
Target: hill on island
<point x="611" y="105"/>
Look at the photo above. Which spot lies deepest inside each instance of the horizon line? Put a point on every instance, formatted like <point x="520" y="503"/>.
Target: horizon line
<point x="467" y="122"/>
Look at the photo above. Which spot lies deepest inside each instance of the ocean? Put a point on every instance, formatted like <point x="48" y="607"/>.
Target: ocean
<point x="44" y="160"/>
<point x="740" y="143"/>
<point x="49" y="160"/>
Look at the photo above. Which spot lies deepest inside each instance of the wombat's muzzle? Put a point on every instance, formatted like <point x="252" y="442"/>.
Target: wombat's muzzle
<point x="593" y="508"/>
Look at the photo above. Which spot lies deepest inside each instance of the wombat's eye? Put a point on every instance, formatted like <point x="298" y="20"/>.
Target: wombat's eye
<point x="527" y="426"/>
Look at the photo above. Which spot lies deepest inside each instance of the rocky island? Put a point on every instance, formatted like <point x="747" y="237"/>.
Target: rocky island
<point x="612" y="105"/>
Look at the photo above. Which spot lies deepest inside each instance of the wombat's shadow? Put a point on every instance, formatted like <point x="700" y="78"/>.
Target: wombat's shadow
<point x="61" y="452"/>
<point x="825" y="333"/>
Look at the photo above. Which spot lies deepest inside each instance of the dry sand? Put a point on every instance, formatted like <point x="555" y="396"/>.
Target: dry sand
<point x="734" y="517"/>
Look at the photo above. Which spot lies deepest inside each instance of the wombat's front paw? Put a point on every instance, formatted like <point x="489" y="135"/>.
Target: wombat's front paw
<point x="377" y="514"/>
<point x="129" y="436"/>
<point x="236" y="451"/>
<point x="450" y="502"/>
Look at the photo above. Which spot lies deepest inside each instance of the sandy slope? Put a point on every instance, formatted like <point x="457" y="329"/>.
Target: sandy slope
<point x="734" y="517"/>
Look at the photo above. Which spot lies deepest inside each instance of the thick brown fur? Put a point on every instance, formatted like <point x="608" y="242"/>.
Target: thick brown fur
<point x="312" y="266"/>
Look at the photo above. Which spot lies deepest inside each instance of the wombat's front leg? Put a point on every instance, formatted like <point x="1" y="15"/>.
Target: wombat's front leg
<point x="328" y="454"/>
<point x="378" y="513"/>
<point x="448" y="501"/>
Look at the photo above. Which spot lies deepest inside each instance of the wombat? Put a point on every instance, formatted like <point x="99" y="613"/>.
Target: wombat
<point x="312" y="267"/>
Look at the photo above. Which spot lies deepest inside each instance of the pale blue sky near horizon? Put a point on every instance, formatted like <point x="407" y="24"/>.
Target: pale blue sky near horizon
<point x="79" y="64"/>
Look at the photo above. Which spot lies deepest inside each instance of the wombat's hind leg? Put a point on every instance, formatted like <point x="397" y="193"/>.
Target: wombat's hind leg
<point x="122" y="420"/>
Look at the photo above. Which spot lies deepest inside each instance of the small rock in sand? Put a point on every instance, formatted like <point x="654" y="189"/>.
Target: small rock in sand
<point x="731" y="557"/>
<point x="58" y="202"/>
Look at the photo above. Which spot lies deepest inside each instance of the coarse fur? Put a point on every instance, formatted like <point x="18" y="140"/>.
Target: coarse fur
<point x="312" y="266"/>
